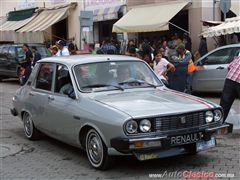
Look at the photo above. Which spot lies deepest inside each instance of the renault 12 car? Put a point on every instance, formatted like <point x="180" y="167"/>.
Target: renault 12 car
<point x="113" y="105"/>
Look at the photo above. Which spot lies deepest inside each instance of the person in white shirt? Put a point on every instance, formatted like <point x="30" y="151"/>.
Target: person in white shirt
<point x="62" y="50"/>
<point x="161" y="66"/>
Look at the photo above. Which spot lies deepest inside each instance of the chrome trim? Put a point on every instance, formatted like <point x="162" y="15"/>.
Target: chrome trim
<point x="148" y="139"/>
<point x="216" y="128"/>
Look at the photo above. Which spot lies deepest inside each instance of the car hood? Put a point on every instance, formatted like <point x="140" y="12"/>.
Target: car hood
<point x="153" y="102"/>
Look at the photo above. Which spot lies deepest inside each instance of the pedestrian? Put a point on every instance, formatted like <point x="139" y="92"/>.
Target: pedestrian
<point x="161" y="66"/>
<point x="85" y="45"/>
<point x="92" y="49"/>
<point x="26" y="64"/>
<point x="54" y="50"/>
<point x="231" y="89"/>
<point x="107" y="48"/>
<point x="36" y="55"/>
<point x="184" y="57"/>
<point x="131" y="51"/>
<point x="202" y="50"/>
<point x="72" y="49"/>
<point x="62" y="50"/>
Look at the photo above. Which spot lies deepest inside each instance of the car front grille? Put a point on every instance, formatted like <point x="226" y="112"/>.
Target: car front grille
<point x="175" y="122"/>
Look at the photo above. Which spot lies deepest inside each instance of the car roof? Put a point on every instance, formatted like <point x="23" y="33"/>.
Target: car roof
<point x="21" y="44"/>
<point x="82" y="59"/>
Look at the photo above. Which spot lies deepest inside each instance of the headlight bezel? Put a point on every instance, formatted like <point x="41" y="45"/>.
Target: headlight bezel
<point x="209" y="114"/>
<point x="133" y="123"/>
<point x="217" y="111"/>
<point x="144" y="122"/>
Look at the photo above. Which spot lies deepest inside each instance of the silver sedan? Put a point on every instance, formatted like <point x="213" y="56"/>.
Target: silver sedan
<point x="113" y="105"/>
<point x="213" y="68"/>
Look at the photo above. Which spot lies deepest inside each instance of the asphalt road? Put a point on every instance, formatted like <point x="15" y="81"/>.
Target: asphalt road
<point x="51" y="159"/>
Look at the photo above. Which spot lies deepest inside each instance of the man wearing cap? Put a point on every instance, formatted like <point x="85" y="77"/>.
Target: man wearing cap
<point x="62" y="50"/>
<point x="185" y="57"/>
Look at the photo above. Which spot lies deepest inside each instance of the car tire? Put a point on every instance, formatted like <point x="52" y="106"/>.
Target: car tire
<point x="29" y="129"/>
<point x="97" y="151"/>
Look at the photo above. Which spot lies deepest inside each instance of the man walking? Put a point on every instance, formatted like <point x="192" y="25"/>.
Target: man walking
<point x="231" y="88"/>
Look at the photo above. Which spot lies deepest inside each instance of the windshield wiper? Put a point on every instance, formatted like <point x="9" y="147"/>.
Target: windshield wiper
<point x="102" y="85"/>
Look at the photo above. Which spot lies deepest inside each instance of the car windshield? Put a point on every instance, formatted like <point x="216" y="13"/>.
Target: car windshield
<point x="115" y="75"/>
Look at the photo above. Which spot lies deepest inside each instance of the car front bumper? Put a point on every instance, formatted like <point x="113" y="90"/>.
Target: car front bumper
<point x="160" y="142"/>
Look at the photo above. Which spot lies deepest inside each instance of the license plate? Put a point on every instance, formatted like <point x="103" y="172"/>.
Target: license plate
<point x="202" y="145"/>
<point x="185" y="139"/>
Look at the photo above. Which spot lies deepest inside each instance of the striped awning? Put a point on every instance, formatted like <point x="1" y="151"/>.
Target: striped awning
<point x="106" y="13"/>
<point x="230" y="26"/>
<point x="15" y="25"/>
<point x="46" y="19"/>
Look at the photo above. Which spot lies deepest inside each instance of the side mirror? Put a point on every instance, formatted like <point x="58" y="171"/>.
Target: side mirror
<point x="70" y="93"/>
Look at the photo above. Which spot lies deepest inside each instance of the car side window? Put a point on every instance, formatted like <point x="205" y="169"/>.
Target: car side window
<point x="63" y="83"/>
<point x="235" y="53"/>
<point x="218" y="57"/>
<point x="5" y="50"/>
<point x="12" y="52"/>
<point x="45" y="77"/>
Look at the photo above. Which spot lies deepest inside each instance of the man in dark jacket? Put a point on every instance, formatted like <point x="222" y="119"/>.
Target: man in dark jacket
<point x="36" y="55"/>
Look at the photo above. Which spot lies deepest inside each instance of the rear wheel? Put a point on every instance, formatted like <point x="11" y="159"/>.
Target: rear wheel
<point x="29" y="129"/>
<point x="97" y="151"/>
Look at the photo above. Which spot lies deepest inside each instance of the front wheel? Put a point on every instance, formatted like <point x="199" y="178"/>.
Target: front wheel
<point x="97" y="151"/>
<point x="29" y="129"/>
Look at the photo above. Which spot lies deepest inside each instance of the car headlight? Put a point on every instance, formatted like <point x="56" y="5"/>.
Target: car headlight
<point x="217" y="115"/>
<point x="145" y="125"/>
<point x="131" y="127"/>
<point x="209" y="116"/>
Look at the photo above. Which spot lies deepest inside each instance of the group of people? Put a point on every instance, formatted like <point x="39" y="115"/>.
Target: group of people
<point x="167" y="57"/>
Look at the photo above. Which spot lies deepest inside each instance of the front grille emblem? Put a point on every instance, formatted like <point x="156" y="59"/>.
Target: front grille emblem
<point x="183" y="120"/>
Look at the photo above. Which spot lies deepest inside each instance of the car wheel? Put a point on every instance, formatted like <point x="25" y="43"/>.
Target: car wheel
<point x="29" y="129"/>
<point x="97" y="151"/>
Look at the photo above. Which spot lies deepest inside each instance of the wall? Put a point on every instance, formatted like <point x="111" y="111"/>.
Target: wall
<point x="198" y="11"/>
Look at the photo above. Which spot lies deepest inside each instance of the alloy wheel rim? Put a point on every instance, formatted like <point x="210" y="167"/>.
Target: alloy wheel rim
<point x="28" y="125"/>
<point x="95" y="148"/>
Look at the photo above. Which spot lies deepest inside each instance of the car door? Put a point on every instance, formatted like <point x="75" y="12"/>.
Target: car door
<point x="212" y="71"/>
<point x="61" y="108"/>
<point x="4" y="60"/>
<point x="40" y="95"/>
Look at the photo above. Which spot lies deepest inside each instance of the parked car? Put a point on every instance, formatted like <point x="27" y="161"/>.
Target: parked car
<point x="12" y="54"/>
<point x="113" y="105"/>
<point x="213" y="68"/>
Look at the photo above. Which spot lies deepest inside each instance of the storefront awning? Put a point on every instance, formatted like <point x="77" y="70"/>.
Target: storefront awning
<point x="106" y="13"/>
<point x="148" y="18"/>
<point x="235" y="7"/>
<point x="230" y="26"/>
<point x="46" y="19"/>
<point x="15" y="25"/>
<point x="211" y="23"/>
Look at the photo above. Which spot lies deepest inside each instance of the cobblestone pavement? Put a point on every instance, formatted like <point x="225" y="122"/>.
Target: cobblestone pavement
<point x="51" y="159"/>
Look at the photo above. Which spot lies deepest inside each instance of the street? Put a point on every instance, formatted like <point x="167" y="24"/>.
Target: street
<point x="51" y="159"/>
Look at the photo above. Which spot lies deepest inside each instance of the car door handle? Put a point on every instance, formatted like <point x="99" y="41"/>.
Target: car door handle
<point x="220" y="67"/>
<point x="51" y="98"/>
